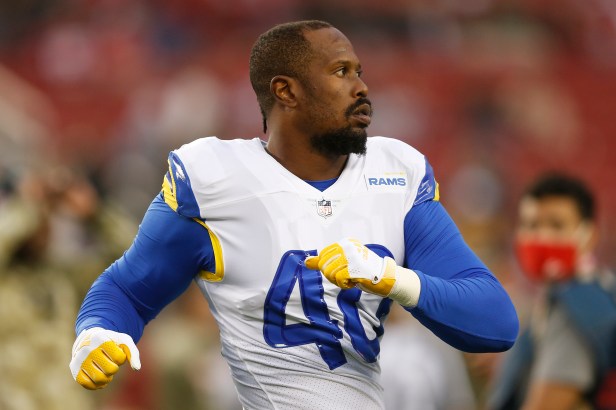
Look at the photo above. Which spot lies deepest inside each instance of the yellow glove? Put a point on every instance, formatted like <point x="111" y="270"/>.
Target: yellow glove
<point x="98" y="354"/>
<point x="348" y="263"/>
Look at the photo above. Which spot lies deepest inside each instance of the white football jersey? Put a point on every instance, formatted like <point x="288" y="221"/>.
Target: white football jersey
<point x="292" y="339"/>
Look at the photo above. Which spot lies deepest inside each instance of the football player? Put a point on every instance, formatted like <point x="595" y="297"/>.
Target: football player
<point x="299" y="242"/>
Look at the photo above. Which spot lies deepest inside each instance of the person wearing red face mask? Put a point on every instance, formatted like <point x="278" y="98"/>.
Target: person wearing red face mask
<point x="566" y="357"/>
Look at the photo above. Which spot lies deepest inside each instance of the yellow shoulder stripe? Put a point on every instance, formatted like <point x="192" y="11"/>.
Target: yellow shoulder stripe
<point x="219" y="273"/>
<point x="169" y="196"/>
<point x="169" y="189"/>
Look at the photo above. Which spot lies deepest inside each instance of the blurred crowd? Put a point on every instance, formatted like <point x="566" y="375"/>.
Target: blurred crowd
<point x="94" y="94"/>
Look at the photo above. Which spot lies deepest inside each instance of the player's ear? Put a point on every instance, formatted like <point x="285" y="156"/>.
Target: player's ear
<point x="284" y="89"/>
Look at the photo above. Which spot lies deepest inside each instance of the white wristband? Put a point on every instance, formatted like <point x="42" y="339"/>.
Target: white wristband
<point x="407" y="288"/>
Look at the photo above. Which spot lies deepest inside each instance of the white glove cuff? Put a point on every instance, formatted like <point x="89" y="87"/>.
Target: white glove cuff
<point x="84" y="341"/>
<point x="407" y="288"/>
<point x="82" y="335"/>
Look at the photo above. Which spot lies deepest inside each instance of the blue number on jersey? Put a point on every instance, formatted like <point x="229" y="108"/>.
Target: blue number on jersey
<point x="321" y="330"/>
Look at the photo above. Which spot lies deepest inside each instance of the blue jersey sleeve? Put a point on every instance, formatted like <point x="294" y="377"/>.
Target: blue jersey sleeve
<point x="166" y="255"/>
<point x="460" y="301"/>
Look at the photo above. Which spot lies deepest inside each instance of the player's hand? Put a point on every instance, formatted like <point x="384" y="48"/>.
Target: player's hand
<point x="348" y="263"/>
<point x="98" y="354"/>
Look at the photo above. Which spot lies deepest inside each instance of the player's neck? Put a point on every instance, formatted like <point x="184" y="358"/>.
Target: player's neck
<point x="304" y="162"/>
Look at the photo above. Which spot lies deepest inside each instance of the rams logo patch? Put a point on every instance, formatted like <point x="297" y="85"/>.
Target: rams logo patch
<point x="386" y="180"/>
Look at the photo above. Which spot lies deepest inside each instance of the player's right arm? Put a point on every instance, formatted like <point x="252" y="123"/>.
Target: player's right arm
<point x="169" y="250"/>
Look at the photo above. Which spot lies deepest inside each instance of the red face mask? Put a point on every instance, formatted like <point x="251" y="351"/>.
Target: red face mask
<point x="542" y="261"/>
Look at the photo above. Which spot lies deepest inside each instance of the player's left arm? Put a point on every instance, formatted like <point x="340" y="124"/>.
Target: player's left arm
<point x="461" y="301"/>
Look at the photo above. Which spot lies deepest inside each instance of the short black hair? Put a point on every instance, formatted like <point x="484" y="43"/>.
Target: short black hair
<point x="555" y="184"/>
<point x="282" y="50"/>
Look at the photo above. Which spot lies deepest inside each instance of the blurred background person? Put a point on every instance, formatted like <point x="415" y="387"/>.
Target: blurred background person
<point x="53" y="231"/>
<point x="566" y="357"/>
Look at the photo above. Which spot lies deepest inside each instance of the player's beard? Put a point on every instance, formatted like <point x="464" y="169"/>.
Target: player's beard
<point x="342" y="141"/>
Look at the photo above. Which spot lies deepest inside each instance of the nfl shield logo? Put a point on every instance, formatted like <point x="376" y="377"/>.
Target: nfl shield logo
<point x="324" y="208"/>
